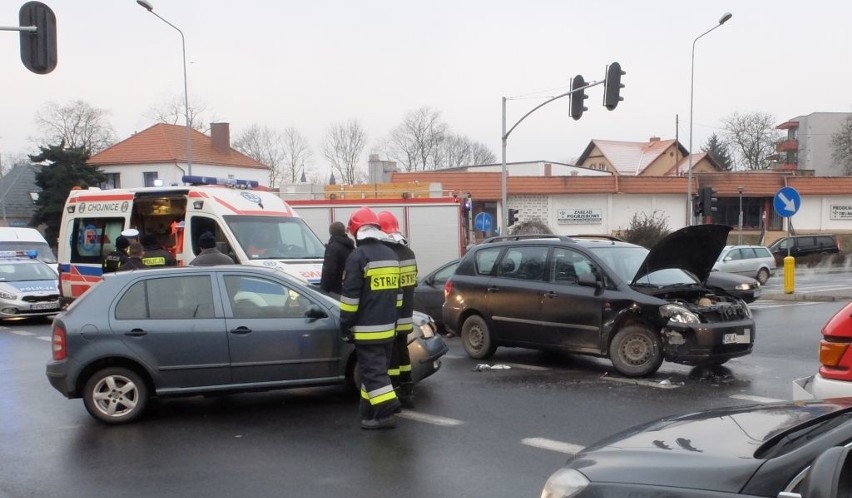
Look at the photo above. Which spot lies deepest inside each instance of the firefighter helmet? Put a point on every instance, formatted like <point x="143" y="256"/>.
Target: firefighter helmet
<point x="388" y="222"/>
<point x="361" y="217"/>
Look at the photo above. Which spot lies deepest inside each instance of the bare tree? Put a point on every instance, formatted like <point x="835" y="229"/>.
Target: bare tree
<point x="76" y="125"/>
<point x="297" y="153"/>
<point x="264" y="145"/>
<point x="841" y="143"/>
<point x="416" y="141"/>
<point x="10" y="160"/>
<point x="344" y="143"/>
<point x="172" y="111"/>
<point x="751" y="137"/>
<point x="459" y="150"/>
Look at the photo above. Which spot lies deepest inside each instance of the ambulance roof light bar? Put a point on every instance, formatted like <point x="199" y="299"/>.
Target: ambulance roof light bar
<point x="227" y="182"/>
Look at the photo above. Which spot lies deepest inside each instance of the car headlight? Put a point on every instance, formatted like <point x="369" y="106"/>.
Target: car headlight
<point x="564" y="483"/>
<point x="424" y="326"/>
<point x="745" y="286"/>
<point x="679" y="314"/>
<point x="427" y="328"/>
<point x="6" y="295"/>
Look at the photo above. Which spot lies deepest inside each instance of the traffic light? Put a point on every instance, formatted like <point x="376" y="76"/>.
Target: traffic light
<point x="697" y="206"/>
<point x="578" y="97"/>
<point x="38" y="49"/>
<point x="613" y="86"/>
<point x="513" y="217"/>
<point x="708" y="199"/>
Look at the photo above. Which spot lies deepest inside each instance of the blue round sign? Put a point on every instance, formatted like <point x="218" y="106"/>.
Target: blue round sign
<point x="482" y="222"/>
<point x="786" y="201"/>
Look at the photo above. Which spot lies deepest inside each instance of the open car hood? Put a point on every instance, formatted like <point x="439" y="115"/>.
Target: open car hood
<point x="693" y="249"/>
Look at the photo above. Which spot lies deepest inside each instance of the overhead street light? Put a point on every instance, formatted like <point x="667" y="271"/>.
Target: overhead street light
<point x="722" y="20"/>
<point x="150" y="8"/>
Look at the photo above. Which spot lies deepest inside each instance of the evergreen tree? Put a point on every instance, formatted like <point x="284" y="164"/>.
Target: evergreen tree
<point x="717" y="149"/>
<point x="64" y="169"/>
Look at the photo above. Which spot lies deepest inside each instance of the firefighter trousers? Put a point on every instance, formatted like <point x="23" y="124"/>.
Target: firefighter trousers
<point x="378" y="399"/>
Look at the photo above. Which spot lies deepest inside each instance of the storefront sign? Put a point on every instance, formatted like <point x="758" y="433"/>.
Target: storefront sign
<point x="841" y="211"/>
<point x="579" y="216"/>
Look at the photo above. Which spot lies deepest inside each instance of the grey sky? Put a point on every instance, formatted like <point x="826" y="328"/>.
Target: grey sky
<point x="309" y="64"/>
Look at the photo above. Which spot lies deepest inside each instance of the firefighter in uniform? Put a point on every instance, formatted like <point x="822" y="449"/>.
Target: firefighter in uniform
<point x="400" y="366"/>
<point x="368" y="316"/>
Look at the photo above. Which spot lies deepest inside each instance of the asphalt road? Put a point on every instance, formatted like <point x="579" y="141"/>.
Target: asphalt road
<point x="498" y="432"/>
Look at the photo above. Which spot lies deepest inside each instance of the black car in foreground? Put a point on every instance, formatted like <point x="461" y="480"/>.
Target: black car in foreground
<point x="206" y="330"/>
<point x="790" y="449"/>
<point x="600" y="296"/>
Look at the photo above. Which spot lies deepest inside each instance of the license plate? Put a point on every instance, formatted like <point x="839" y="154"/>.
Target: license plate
<point x="44" y="306"/>
<point x="735" y="338"/>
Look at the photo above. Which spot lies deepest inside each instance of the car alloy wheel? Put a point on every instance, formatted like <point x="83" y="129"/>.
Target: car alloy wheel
<point x="762" y="276"/>
<point x="115" y="395"/>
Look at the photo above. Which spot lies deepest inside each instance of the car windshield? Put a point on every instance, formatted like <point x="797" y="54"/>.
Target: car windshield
<point x="275" y="237"/>
<point x="625" y="262"/>
<point x="25" y="272"/>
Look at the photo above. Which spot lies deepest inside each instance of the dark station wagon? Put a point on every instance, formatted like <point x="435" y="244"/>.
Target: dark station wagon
<point x="600" y="296"/>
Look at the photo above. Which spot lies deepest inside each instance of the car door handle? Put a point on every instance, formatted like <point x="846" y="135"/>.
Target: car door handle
<point x="241" y="330"/>
<point x="492" y="289"/>
<point x="136" y="333"/>
<point x="550" y="294"/>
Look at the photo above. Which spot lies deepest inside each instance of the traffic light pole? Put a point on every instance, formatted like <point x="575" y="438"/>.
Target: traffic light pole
<point x="505" y="137"/>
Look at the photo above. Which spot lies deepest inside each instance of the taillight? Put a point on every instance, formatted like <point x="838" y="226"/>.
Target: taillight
<point x="448" y="288"/>
<point x="830" y="353"/>
<point x="60" y="346"/>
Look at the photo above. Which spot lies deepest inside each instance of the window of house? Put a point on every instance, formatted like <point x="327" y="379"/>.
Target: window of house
<point x="150" y="177"/>
<point x="113" y="180"/>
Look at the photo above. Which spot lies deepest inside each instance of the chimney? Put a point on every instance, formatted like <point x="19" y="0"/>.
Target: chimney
<point x="654" y="139"/>
<point x="220" y="135"/>
<point x="547" y="169"/>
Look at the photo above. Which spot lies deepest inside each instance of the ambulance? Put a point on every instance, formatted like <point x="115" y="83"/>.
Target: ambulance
<point x="252" y="226"/>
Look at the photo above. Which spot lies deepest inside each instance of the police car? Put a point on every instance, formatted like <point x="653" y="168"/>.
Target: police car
<point x="28" y="287"/>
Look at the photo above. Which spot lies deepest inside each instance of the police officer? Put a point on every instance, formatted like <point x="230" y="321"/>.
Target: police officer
<point x="117" y="257"/>
<point x="368" y="316"/>
<point x="155" y="255"/>
<point x="400" y="366"/>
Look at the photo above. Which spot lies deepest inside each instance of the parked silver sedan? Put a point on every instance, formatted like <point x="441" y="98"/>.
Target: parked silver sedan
<point x="752" y="261"/>
<point x="203" y="330"/>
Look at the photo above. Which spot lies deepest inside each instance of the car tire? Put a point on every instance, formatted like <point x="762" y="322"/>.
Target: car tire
<point x="635" y="351"/>
<point x="762" y="276"/>
<point x="477" y="339"/>
<point x="115" y="395"/>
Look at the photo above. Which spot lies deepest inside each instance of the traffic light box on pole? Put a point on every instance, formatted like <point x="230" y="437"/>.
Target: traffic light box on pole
<point x="513" y="217"/>
<point x="707" y="199"/>
<point x="578" y="97"/>
<point x="38" y="47"/>
<point x="613" y="86"/>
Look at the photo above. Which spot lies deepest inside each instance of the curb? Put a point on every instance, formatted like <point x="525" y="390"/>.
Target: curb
<point x="780" y="296"/>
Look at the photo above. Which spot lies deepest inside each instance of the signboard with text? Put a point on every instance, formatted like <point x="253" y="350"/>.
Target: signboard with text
<point x="841" y="212"/>
<point x="579" y="216"/>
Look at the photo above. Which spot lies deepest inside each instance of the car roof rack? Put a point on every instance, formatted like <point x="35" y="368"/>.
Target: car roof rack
<point x="611" y="238"/>
<point x="526" y="236"/>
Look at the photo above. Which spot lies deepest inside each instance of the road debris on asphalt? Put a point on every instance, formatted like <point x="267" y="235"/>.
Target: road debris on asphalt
<point x="484" y="366"/>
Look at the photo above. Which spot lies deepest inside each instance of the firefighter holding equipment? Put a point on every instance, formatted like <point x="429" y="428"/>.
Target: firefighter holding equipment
<point x="400" y="365"/>
<point x="368" y="315"/>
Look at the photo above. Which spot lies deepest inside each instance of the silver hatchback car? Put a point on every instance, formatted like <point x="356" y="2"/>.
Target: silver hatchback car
<point x="752" y="261"/>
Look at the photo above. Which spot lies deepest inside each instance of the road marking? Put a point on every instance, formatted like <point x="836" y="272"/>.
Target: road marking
<point x="429" y="419"/>
<point x="45" y="338"/>
<point x="648" y="383"/>
<point x="22" y="332"/>
<point x="550" y="444"/>
<point x="757" y="399"/>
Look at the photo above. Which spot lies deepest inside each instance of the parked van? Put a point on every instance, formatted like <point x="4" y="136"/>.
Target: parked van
<point x="252" y="226"/>
<point x="26" y="239"/>
<point x="807" y="249"/>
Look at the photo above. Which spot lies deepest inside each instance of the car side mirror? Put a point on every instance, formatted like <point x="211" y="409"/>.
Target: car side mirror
<point x="830" y="476"/>
<point x="314" y="312"/>
<point x="728" y="258"/>
<point x="588" y="279"/>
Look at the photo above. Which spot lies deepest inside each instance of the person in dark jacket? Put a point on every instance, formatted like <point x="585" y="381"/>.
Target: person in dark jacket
<point x="368" y="316"/>
<point x="155" y="255"/>
<point x="116" y="258"/>
<point x="134" y="258"/>
<point x="210" y="255"/>
<point x="336" y="251"/>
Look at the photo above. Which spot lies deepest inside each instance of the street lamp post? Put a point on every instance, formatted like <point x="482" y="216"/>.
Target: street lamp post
<point x="740" y="235"/>
<point x="727" y="16"/>
<point x="150" y="8"/>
